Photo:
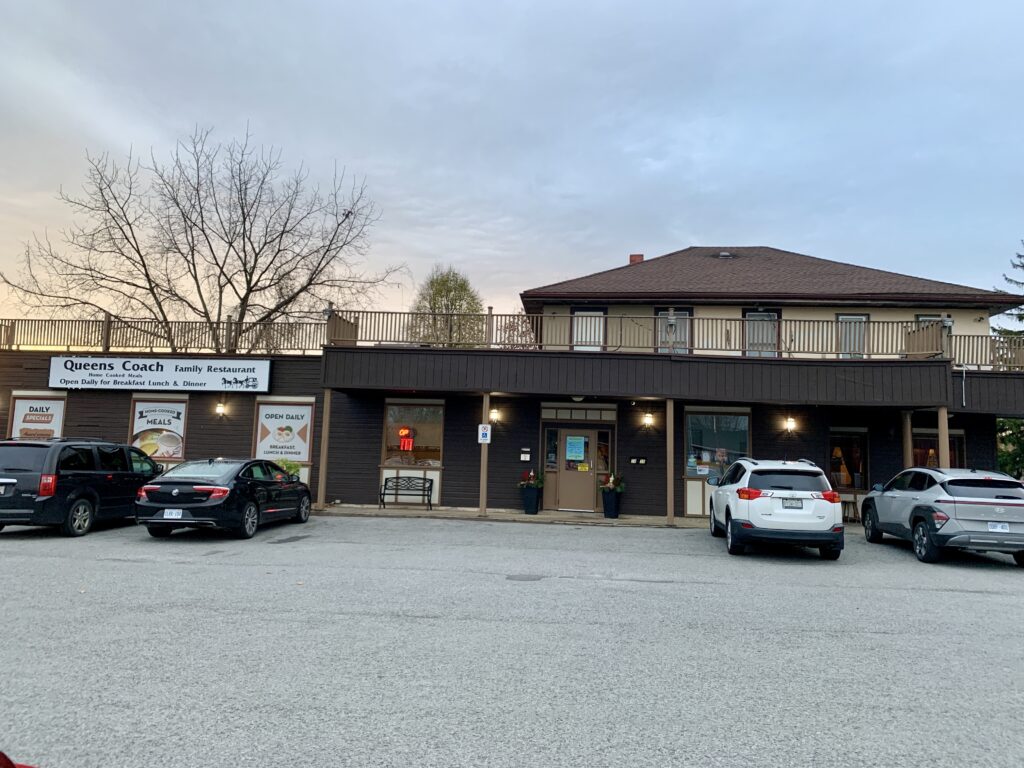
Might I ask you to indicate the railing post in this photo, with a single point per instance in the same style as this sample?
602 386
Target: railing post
105 333
489 333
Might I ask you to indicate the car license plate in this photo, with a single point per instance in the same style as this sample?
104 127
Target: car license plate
999 527
792 504
172 514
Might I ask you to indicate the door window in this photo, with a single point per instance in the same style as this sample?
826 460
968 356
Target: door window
733 475
900 482
577 452
112 458
673 332
275 472
141 463
762 334
588 331
76 459
256 472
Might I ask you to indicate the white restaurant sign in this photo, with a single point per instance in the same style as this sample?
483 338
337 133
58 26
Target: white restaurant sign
283 431
160 373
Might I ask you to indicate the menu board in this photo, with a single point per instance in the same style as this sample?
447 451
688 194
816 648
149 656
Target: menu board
284 431
158 428
39 418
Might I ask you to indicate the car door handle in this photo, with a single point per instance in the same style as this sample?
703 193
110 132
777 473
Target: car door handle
915 498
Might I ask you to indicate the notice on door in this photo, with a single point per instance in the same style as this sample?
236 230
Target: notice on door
575 448
37 418
284 431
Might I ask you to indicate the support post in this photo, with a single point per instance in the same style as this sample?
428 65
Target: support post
908 440
943 436
484 419
325 431
670 461
489 332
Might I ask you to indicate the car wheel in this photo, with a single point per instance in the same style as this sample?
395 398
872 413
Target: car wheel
715 530
870 522
1018 558
79 518
250 521
829 553
159 531
924 547
303 514
731 546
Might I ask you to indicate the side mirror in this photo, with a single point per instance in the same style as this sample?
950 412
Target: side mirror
160 469
877 487
713 481
293 478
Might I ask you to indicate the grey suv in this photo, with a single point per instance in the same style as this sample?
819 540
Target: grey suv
70 482
937 509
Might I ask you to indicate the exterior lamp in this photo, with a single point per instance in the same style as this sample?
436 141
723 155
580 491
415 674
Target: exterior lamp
495 415
790 424
648 420
221 409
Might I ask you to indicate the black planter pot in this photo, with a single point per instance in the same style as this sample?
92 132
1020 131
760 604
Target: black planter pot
611 501
531 500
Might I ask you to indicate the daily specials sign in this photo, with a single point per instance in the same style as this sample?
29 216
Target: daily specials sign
284 431
37 418
163 373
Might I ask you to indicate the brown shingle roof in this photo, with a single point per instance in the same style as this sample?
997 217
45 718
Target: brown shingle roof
764 275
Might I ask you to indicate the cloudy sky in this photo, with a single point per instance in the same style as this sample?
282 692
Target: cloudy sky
528 142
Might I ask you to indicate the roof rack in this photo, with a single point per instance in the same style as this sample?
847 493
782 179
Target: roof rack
807 461
746 458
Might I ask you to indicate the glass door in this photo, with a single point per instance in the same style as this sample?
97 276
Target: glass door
762 334
588 331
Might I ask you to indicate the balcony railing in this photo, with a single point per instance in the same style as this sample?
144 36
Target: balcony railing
593 332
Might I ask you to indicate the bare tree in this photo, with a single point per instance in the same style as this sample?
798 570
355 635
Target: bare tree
219 234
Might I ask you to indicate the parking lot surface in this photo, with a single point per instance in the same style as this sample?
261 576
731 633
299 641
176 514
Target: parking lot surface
381 642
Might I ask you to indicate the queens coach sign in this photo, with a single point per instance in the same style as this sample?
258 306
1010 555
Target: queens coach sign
160 373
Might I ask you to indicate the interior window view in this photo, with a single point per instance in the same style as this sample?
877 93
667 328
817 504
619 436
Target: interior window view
847 460
714 441
413 435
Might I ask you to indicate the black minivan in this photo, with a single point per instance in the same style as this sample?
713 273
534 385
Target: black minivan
69 482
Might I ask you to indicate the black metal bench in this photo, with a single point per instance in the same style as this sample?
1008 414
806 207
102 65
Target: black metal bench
407 486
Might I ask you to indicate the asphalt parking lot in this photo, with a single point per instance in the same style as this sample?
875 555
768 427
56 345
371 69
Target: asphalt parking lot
374 642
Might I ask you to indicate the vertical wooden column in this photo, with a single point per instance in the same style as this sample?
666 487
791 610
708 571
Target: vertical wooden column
670 460
325 431
484 419
943 436
908 440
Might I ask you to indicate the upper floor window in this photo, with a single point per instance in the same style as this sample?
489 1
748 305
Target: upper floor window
761 327
589 328
673 329
853 337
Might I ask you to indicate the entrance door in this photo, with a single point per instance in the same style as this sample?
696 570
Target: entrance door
577 476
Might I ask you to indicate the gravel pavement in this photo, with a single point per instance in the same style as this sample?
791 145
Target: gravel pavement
373 642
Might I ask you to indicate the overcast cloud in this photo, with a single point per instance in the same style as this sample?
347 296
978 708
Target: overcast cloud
528 142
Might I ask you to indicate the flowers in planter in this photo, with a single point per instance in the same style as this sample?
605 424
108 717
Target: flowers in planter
530 479
613 483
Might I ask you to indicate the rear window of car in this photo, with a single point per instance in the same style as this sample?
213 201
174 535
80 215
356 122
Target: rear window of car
203 470
985 489
785 480
22 458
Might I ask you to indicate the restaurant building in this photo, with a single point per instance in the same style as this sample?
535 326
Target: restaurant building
662 371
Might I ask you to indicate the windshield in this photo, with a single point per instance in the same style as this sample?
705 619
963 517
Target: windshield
22 458
985 489
788 481
202 470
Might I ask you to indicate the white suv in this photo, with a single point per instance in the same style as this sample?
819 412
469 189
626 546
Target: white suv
789 502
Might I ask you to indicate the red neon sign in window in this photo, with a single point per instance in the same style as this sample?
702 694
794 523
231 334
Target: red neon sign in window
405 435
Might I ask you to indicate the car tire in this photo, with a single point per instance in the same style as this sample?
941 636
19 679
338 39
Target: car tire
829 553
871 531
159 531
715 530
1018 558
732 547
925 547
79 518
302 515
250 521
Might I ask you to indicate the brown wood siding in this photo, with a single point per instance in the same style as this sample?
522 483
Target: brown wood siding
460 480
106 414
645 483
354 448
519 428
736 380
999 393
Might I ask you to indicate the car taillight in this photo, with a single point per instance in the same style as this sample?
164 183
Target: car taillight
47 485
749 494
940 518
832 496
837 529
141 496
214 491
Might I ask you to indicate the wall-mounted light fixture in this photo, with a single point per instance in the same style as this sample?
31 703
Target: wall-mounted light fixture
221 409
494 415
790 424
648 420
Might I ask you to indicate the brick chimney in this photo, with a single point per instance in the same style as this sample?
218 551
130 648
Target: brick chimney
636 258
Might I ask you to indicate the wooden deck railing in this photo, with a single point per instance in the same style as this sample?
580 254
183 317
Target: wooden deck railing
678 335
